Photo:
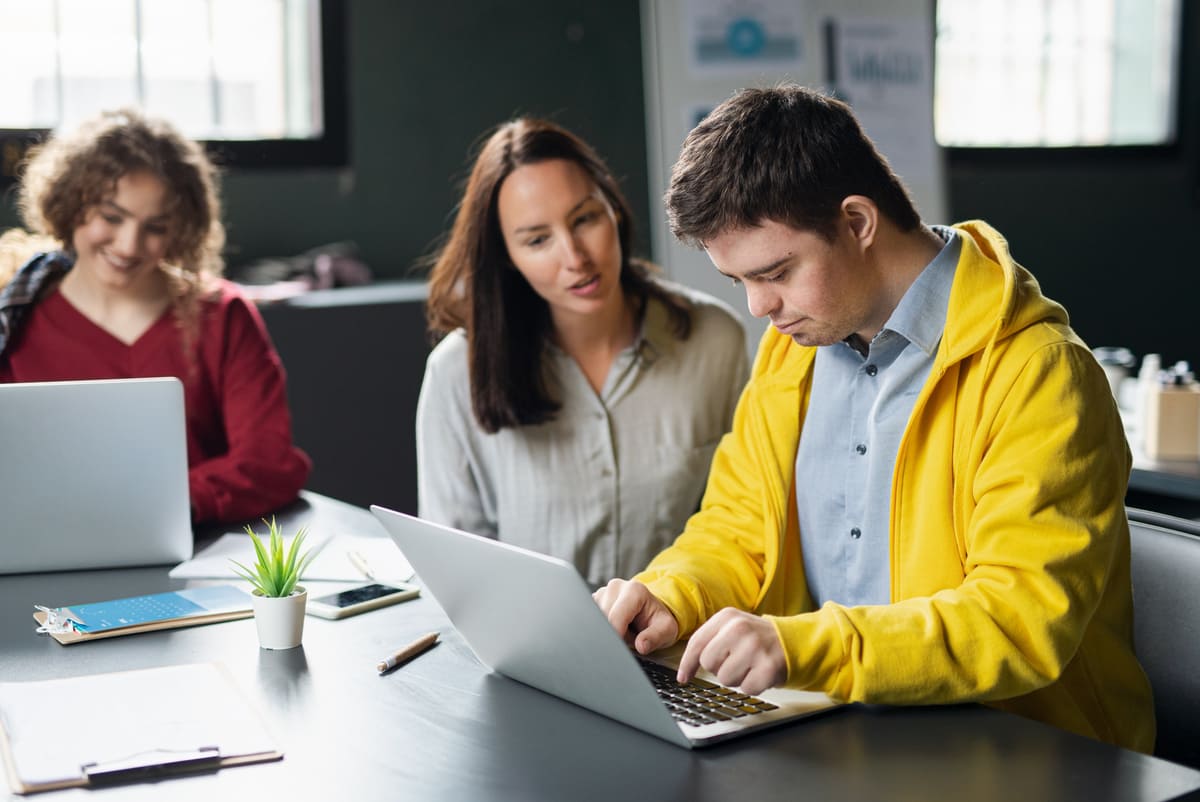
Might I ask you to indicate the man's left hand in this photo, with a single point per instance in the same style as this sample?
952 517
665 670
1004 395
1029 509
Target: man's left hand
740 648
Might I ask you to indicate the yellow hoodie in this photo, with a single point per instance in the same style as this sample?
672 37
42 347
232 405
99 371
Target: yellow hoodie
1009 544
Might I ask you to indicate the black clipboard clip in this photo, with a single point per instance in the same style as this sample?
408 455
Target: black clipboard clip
152 765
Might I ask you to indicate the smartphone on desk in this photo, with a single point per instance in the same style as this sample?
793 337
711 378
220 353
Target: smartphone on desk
360 599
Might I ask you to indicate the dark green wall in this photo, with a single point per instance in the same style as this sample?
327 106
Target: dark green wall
426 80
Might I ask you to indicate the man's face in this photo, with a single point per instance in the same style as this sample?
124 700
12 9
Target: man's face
815 291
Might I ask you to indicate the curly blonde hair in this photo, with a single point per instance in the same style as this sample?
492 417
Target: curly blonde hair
71 173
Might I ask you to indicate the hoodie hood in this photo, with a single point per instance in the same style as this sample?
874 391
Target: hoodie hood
993 296
992 299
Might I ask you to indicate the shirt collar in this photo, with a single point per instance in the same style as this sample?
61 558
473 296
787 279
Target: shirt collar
920 317
654 337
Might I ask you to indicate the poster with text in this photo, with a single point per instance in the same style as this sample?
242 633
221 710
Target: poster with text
884 69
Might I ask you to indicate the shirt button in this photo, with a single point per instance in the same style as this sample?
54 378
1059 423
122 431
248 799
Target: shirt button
856 533
872 370
861 448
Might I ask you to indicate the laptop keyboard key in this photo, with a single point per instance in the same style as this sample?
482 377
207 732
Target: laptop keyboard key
701 702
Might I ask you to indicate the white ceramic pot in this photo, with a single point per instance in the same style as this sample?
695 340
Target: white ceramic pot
280 620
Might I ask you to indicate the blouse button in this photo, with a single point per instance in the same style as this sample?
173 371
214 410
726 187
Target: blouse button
856 533
872 370
861 448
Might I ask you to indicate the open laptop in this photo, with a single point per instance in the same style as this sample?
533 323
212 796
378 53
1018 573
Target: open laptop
532 618
93 474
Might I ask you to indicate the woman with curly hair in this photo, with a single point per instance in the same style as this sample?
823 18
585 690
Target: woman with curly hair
119 276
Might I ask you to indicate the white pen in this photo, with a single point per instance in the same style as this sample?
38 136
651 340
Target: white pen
411 650
360 562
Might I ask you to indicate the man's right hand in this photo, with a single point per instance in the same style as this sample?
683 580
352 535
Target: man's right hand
637 615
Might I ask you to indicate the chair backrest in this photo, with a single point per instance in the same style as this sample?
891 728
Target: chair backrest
1166 608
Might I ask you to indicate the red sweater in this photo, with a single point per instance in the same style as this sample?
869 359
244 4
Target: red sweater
241 461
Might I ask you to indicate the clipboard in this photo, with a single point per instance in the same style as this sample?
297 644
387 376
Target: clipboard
169 610
146 724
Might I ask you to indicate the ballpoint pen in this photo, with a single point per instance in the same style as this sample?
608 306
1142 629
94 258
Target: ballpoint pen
411 650
360 562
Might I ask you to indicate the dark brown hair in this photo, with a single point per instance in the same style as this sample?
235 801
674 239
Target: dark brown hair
71 173
473 284
787 154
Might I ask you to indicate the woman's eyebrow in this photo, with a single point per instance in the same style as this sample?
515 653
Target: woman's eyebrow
127 213
537 226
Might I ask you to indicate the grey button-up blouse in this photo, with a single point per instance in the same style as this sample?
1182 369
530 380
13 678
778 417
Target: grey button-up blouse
612 478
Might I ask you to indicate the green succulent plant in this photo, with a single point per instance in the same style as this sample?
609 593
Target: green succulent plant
275 572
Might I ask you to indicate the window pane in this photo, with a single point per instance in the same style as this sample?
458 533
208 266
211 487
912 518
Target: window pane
1055 72
97 55
175 62
27 60
305 101
218 69
267 63
248 60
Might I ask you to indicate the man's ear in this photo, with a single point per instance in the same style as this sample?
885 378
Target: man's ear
862 217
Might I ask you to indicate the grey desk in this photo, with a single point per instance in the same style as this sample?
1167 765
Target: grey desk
443 728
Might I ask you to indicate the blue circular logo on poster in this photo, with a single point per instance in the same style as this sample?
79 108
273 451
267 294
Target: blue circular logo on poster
745 37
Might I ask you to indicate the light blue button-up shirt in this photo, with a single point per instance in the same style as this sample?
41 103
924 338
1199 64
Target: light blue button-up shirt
857 413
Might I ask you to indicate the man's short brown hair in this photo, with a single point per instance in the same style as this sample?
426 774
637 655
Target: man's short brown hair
787 154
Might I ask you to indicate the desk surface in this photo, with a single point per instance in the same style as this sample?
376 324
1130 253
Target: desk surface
443 727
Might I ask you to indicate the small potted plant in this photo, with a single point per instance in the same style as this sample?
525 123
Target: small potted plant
277 600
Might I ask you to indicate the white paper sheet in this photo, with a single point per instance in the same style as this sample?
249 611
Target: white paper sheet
55 726
332 562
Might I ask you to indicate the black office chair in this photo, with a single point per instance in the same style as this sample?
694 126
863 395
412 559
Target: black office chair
1166 608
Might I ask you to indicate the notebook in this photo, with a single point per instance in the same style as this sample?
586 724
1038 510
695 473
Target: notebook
79 623
93 474
532 618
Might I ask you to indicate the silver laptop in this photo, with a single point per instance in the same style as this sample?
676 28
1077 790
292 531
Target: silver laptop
532 618
93 474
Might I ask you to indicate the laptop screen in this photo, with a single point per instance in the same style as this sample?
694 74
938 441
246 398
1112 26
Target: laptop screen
93 474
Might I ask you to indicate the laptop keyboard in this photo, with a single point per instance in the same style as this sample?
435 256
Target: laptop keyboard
700 702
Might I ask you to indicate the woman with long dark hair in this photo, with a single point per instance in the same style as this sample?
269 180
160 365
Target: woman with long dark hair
575 400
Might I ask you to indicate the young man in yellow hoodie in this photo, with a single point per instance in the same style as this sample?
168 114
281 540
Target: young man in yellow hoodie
922 497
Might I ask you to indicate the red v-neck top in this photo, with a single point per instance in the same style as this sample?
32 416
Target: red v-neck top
241 460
